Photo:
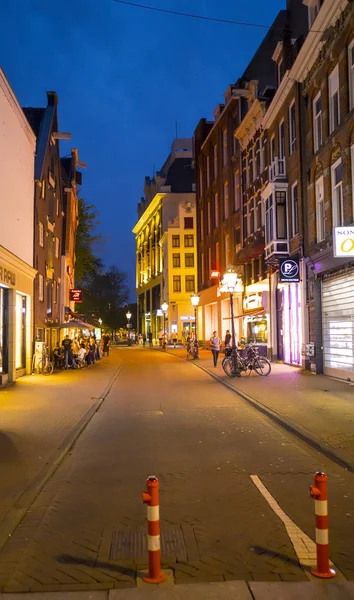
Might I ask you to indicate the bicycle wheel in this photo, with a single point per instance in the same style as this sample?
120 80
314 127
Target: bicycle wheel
262 366
228 366
46 367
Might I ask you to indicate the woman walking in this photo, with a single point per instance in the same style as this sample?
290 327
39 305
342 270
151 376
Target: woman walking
215 347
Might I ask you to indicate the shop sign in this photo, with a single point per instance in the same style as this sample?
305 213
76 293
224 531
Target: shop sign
289 270
187 318
343 241
252 302
214 275
7 276
75 296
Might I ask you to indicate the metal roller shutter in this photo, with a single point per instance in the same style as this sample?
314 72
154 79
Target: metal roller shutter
338 325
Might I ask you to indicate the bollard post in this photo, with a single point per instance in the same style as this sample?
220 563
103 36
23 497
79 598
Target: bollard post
319 493
151 499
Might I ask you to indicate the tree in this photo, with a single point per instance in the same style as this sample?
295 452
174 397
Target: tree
87 264
105 295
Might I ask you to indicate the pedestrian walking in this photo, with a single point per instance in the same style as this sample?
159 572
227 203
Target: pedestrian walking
150 338
144 339
215 347
174 339
160 336
106 344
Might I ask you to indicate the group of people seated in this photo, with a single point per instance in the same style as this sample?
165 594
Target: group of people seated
77 353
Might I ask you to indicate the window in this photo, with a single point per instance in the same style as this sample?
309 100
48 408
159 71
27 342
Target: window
175 241
269 229
272 148
247 163
189 241
224 143
227 251
351 73
188 222
217 256
254 165
226 200
41 234
209 218
176 260
262 155
209 262
200 181
281 140
237 191
292 128
203 267
337 194
216 210
55 292
208 171
189 260
176 283
40 288
258 157
295 209
280 199
317 122
333 91
202 224
190 286
56 247
320 214
215 161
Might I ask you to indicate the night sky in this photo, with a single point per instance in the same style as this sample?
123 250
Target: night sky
124 76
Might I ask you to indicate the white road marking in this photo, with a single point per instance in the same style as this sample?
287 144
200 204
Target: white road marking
304 547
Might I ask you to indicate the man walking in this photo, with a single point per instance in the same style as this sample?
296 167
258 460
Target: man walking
106 343
215 347
68 354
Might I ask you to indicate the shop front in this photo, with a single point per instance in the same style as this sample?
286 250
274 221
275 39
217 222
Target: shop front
255 327
16 324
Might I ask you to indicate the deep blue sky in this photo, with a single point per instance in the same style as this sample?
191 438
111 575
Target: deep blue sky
124 76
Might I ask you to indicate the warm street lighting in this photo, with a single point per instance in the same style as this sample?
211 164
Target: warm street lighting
231 281
129 316
164 307
100 321
195 301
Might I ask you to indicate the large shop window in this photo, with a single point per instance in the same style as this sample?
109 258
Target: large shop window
20 331
3 330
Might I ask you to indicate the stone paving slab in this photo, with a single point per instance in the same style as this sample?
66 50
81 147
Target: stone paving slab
309 591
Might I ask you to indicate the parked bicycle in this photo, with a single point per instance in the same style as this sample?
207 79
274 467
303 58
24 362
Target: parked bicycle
192 350
233 365
42 365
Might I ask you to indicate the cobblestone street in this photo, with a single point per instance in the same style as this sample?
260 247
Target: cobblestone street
164 416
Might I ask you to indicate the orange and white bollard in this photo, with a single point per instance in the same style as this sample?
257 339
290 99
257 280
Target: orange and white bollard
151 499
319 493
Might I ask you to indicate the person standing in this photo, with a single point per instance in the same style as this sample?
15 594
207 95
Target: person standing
174 339
106 343
68 354
227 338
150 338
215 347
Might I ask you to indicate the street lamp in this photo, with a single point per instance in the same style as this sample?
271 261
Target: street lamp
164 307
232 283
129 316
195 301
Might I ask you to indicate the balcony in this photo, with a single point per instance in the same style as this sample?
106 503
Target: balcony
277 169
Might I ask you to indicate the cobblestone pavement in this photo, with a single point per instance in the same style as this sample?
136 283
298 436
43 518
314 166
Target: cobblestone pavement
166 417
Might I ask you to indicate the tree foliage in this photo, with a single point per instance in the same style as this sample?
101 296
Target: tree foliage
87 264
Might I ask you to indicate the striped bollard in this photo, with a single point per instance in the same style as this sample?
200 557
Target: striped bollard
319 493
151 499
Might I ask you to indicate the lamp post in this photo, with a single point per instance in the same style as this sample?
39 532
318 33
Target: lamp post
231 282
195 301
129 316
164 307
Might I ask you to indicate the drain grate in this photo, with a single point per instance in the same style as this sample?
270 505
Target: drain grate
132 544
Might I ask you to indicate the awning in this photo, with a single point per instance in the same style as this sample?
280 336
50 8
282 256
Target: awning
76 324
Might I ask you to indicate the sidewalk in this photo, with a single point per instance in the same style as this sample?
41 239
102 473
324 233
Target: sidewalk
39 417
315 407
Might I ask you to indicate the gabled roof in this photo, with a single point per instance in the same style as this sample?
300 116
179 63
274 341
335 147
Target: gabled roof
42 120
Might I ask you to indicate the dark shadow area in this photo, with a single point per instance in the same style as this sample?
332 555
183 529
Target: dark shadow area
8 450
67 559
260 550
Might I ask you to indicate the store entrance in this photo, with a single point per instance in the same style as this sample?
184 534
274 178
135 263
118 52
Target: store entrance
4 319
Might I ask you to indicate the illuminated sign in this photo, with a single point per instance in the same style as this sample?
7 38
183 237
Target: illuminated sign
214 275
159 312
7 276
343 241
187 318
289 270
252 301
75 295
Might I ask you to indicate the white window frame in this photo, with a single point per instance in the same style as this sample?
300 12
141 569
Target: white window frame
333 89
317 118
351 73
320 212
337 210
292 134
226 201
215 161
216 199
41 234
40 288
208 171
293 212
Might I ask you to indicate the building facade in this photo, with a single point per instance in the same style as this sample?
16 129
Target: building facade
17 149
166 264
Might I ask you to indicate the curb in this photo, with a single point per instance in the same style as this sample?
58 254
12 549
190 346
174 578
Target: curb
29 495
297 430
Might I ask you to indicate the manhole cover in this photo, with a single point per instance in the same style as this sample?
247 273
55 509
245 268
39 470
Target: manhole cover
132 544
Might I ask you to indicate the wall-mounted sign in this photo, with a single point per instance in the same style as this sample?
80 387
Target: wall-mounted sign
289 270
187 318
75 296
252 302
343 241
308 349
7 276
214 275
